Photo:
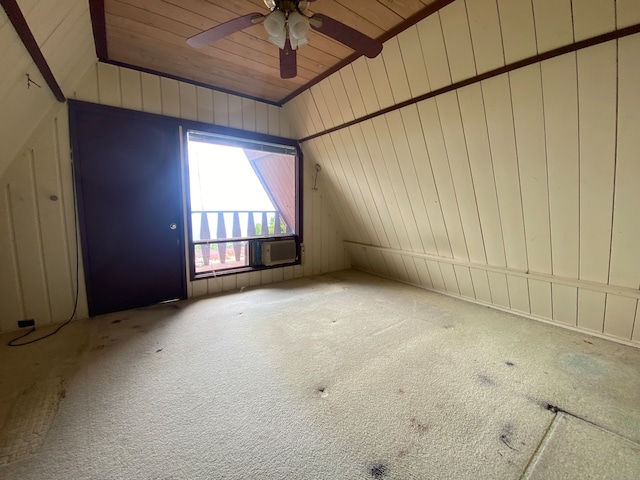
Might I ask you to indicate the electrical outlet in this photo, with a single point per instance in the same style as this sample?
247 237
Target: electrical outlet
26 323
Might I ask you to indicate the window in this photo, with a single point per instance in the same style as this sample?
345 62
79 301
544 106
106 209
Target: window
243 204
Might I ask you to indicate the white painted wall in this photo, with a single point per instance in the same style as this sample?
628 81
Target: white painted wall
520 191
37 246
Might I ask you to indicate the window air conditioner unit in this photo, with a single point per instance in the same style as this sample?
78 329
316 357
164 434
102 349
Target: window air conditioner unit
278 252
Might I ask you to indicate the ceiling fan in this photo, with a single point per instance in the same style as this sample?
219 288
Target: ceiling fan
287 26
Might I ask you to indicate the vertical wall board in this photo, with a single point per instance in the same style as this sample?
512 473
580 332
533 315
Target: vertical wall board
518 293
560 90
426 182
410 266
453 134
356 103
28 239
540 299
170 92
390 264
627 13
287 274
597 120
477 139
464 281
380 78
378 262
255 278
229 283
293 113
262 118
526 91
565 303
430 121
411 192
325 248
388 232
401 267
331 103
499 289
457 39
304 122
436 275
380 166
355 172
51 223
335 147
449 277
591 309
273 119
625 260
267 275
109 85
188 101
518 31
278 276
131 86
220 108
200 288
317 93
10 288
365 85
434 51
505 167
484 24
204 103
333 171
235 111
285 124
481 284
636 325
396 71
313 108
87 89
242 279
593 17
215 285
423 272
554 24
151 93
248 115
413 60
619 316
342 99
389 144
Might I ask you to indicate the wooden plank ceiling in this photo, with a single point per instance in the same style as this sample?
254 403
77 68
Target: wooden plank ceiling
151 35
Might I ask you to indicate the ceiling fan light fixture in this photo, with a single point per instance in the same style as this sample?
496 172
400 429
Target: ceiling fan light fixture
274 23
298 26
279 40
271 4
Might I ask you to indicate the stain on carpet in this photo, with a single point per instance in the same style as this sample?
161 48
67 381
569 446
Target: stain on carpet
378 470
29 420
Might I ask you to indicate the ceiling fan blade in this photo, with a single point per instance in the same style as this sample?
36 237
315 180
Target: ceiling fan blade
345 34
288 61
203 39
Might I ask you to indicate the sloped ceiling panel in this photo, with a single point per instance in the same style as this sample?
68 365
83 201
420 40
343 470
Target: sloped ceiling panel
517 191
62 30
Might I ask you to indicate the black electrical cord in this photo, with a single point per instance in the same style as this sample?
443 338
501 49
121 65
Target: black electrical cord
75 302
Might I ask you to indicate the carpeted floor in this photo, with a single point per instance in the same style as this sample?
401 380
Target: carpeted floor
343 376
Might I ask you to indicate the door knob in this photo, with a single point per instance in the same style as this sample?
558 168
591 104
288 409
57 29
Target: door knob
173 226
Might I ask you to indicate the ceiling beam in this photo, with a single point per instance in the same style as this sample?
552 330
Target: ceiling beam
24 32
99 26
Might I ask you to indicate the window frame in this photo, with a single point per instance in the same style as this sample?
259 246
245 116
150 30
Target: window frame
244 137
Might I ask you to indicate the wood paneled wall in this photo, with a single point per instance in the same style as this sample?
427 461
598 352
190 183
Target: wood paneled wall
519 191
62 30
37 246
